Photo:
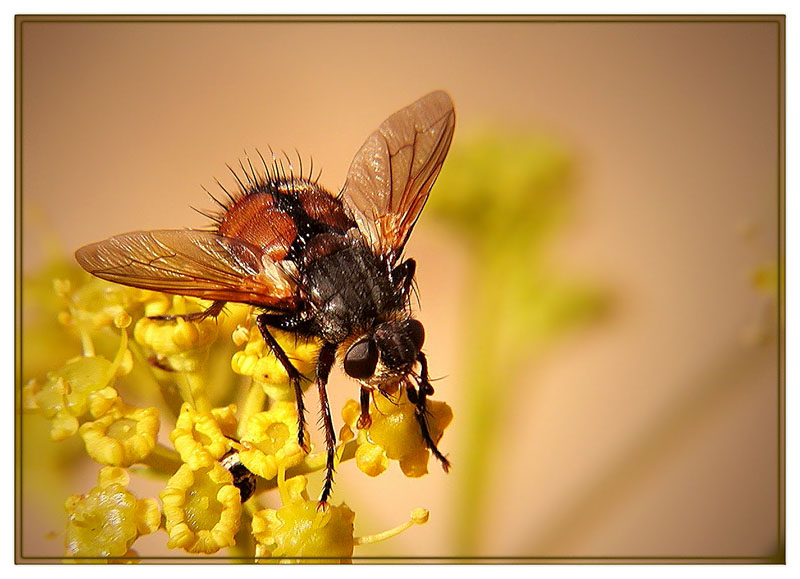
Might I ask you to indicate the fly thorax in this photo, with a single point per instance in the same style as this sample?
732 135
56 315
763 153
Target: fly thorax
347 289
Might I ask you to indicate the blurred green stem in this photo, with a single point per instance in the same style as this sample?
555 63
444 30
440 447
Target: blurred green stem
489 370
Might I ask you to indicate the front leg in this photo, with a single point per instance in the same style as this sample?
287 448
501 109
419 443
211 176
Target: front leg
213 311
403 275
263 321
364 420
421 412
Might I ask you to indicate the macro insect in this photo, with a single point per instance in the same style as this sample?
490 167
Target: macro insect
321 265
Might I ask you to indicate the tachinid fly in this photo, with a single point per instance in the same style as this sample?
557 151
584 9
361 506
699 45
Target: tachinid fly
314 263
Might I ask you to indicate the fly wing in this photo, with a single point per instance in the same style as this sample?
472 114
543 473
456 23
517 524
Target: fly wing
392 174
194 263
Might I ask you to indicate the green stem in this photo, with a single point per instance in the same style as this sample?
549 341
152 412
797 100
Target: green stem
163 460
193 390
314 463
87 347
253 404
245 542
158 388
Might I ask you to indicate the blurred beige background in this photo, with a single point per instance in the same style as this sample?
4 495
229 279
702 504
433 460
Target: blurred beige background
653 433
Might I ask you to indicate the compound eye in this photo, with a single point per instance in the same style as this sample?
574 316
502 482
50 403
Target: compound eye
361 359
417 333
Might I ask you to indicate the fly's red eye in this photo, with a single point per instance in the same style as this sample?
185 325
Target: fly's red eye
361 359
417 333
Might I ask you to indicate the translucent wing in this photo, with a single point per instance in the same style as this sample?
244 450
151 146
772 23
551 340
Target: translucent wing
392 174
194 263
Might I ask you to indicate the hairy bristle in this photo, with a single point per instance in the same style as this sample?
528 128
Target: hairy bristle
266 168
246 174
278 176
242 188
215 200
299 160
231 197
213 217
252 170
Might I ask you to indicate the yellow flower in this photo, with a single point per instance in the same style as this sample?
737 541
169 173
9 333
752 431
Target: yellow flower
178 345
101 401
299 532
202 509
233 316
395 434
122 436
199 436
256 360
86 377
81 386
106 522
270 440
97 304
50 400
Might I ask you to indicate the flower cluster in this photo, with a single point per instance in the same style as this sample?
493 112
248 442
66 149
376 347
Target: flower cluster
231 418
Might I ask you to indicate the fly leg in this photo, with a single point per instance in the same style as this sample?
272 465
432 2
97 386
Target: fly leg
365 420
327 355
263 321
211 311
418 398
403 275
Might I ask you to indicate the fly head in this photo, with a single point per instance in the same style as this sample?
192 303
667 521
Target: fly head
385 355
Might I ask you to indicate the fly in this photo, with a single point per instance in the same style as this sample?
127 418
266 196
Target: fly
321 265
